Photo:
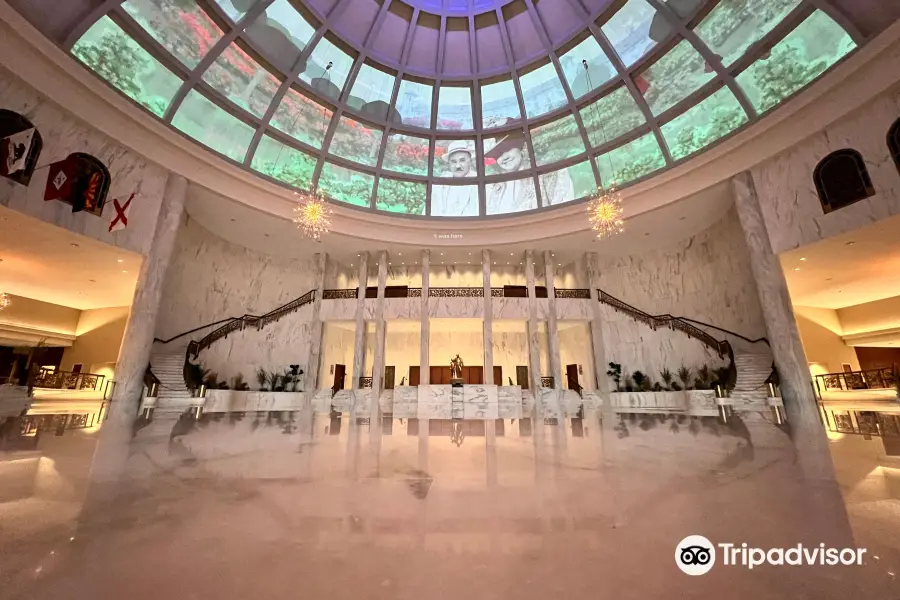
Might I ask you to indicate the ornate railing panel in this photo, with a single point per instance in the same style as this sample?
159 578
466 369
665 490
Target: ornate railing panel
340 294
496 292
871 379
573 294
547 382
365 382
862 422
456 292
414 293
67 380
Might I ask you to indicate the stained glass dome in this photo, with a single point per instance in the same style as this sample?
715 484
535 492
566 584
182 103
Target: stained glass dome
461 108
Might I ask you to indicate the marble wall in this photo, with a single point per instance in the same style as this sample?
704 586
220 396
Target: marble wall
706 277
63 135
211 279
790 204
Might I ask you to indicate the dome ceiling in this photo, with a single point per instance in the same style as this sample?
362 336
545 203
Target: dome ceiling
460 108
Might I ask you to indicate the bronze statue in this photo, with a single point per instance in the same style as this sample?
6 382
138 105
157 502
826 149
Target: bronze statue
456 366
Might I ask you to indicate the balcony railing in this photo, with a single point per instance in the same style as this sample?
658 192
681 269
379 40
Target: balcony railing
861 422
508 291
871 379
67 380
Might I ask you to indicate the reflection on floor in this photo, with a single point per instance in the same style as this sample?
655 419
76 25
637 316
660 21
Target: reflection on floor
307 505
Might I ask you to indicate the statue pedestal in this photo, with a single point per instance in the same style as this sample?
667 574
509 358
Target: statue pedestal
457 382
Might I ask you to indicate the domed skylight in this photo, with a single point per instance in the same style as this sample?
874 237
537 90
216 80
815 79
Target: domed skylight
460 108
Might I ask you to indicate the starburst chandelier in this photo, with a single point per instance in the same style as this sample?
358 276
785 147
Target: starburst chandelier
4 300
312 214
605 212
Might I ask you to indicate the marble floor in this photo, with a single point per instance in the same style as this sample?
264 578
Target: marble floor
309 505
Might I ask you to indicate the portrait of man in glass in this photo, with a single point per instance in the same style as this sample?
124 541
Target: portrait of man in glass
456 200
509 154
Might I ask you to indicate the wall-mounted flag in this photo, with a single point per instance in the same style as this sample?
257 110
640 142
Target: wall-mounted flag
20 146
80 180
120 220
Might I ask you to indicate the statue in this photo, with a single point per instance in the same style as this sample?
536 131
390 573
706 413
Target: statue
456 366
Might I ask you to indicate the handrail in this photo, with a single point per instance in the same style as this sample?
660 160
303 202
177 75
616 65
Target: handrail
879 378
654 321
728 331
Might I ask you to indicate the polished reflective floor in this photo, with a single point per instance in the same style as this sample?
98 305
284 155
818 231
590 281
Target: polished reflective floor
276 505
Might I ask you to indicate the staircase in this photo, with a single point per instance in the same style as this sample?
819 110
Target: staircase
753 369
168 366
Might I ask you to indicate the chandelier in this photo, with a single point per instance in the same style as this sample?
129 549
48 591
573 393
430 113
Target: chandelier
605 212
312 214
4 300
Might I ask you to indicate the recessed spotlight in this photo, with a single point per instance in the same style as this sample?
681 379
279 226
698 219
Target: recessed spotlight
74 245
120 260
796 268
402 263
507 262
802 258
124 271
399 254
558 264
850 243
470 254
512 254
442 253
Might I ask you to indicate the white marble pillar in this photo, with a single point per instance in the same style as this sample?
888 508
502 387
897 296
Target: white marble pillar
600 364
359 339
380 336
315 351
552 326
137 341
784 337
488 321
425 320
534 344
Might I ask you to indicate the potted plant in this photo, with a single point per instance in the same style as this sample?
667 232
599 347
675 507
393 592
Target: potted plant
262 378
684 374
639 379
615 372
238 383
667 378
275 382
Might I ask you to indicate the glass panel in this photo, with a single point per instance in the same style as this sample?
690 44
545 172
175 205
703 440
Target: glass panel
242 80
715 117
599 71
673 77
635 29
506 153
406 154
734 25
556 141
234 12
180 26
283 163
330 83
567 184
414 103
611 116
455 158
804 54
301 118
356 141
407 197
454 200
542 91
371 85
499 103
346 185
114 56
454 108
210 125
631 161
510 196
281 33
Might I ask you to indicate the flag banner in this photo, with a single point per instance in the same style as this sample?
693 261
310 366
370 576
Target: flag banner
120 219
80 180
14 151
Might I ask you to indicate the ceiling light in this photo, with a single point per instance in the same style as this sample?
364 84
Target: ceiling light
802 258
796 268
120 260
442 253
511 254
74 245
605 212
124 271
312 215
399 254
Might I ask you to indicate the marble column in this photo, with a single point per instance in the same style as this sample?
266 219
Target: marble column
600 365
784 337
315 351
552 326
359 340
425 320
488 321
137 340
380 335
534 346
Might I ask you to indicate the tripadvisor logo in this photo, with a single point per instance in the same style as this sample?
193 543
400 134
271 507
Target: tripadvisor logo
696 555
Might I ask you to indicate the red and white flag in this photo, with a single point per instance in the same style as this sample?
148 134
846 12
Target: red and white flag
120 220
14 151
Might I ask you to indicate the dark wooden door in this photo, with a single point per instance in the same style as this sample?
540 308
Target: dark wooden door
498 376
340 372
415 375
473 375
389 375
439 375
572 377
522 377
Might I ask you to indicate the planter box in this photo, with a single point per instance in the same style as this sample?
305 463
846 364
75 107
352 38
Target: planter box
691 402
237 401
